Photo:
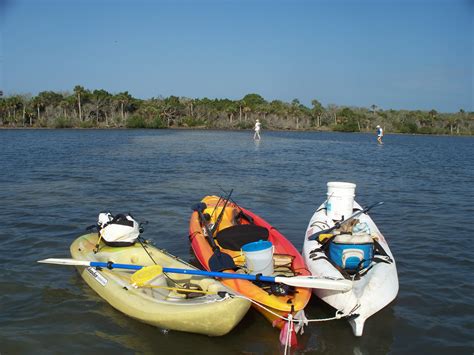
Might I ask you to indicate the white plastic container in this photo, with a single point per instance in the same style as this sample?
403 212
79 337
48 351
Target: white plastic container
340 200
259 257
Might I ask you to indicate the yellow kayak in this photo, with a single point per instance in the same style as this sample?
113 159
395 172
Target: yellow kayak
188 303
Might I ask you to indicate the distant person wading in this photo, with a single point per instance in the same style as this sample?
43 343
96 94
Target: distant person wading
257 130
379 134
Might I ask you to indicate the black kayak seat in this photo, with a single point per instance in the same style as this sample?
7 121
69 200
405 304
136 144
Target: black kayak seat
235 237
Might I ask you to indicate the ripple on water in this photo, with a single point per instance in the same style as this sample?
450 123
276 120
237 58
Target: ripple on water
64 178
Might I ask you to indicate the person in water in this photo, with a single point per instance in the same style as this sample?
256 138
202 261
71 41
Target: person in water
257 130
379 134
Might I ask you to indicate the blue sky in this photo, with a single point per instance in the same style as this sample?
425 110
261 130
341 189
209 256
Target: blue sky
398 54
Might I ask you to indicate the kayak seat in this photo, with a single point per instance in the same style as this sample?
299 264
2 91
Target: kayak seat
235 237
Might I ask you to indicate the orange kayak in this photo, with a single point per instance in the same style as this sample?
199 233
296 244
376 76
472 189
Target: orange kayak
238 227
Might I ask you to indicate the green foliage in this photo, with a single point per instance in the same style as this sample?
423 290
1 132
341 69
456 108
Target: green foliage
348 121
156 123
136 122
253 100
98 108
407 127
86 124
245 125
350 126
63 122
430 130
192 122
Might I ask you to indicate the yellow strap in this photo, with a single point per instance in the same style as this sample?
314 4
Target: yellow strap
98 242
177 289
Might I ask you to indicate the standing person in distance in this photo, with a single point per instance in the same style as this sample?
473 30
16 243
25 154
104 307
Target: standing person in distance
257 130
379 134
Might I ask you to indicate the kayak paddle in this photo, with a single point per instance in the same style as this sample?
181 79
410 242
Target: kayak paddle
219 261
344 221
297 281
219 218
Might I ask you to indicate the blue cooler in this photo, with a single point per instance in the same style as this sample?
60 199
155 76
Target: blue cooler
348 251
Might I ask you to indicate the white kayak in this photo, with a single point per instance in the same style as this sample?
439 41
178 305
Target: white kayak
341 254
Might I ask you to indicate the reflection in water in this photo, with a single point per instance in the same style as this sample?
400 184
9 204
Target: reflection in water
337 336
257 143
124 341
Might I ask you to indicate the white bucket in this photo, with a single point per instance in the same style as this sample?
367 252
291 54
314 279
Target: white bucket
340 200
259 257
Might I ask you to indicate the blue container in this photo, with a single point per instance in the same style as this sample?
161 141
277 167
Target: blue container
257 246
351 256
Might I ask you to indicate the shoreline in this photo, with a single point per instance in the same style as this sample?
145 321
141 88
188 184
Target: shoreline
226 129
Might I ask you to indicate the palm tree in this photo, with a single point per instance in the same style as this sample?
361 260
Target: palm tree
318 110
231 109
123 98
246 110
100 97
79 91
38 102
295 112
25 99
374 109
241 104
333 112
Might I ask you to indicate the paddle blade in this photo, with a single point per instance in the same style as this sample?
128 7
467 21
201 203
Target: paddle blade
70 262
315 282
145 275
220 261
199 207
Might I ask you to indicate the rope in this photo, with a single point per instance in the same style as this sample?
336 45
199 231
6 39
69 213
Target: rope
144 248
288 333
300 322
339 314
96 249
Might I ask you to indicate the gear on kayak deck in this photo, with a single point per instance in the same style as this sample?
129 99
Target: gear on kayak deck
276 289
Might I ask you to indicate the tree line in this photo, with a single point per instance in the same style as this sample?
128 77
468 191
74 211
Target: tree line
83 108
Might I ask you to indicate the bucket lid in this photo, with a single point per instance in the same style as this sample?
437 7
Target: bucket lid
342 185
257 246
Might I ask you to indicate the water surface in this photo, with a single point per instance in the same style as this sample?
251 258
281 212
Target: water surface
53 184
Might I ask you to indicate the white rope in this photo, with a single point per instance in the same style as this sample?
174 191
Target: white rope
300 322
339 314
288 333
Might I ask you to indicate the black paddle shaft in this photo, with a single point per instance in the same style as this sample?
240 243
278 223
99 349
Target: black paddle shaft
219 261
219 218
209 237
344 221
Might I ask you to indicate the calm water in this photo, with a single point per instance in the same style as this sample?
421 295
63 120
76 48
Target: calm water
54 183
